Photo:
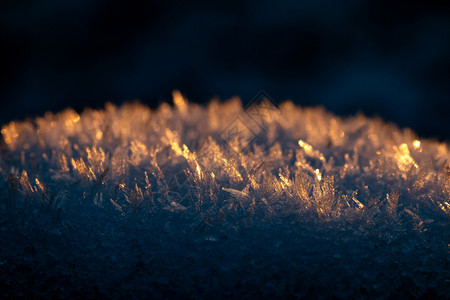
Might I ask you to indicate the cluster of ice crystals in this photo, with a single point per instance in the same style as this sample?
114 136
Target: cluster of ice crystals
305 165
315 163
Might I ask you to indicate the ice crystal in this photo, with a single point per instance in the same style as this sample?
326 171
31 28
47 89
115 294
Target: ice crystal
299 169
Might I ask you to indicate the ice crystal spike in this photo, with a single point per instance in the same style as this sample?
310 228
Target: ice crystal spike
403 157
179 101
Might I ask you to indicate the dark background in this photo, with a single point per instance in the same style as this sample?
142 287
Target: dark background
382 57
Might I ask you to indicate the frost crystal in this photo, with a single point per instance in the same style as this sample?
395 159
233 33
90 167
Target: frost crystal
307 189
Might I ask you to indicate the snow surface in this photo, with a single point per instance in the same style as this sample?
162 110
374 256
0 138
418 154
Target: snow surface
221 201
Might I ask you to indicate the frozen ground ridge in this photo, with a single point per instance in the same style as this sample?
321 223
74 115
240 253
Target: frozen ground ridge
295 166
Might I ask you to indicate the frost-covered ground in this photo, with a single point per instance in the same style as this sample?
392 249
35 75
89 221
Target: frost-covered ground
221 201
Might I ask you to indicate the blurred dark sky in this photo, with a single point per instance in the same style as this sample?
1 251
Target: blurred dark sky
386 58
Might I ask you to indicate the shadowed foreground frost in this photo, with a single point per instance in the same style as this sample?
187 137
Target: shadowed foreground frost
212 202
